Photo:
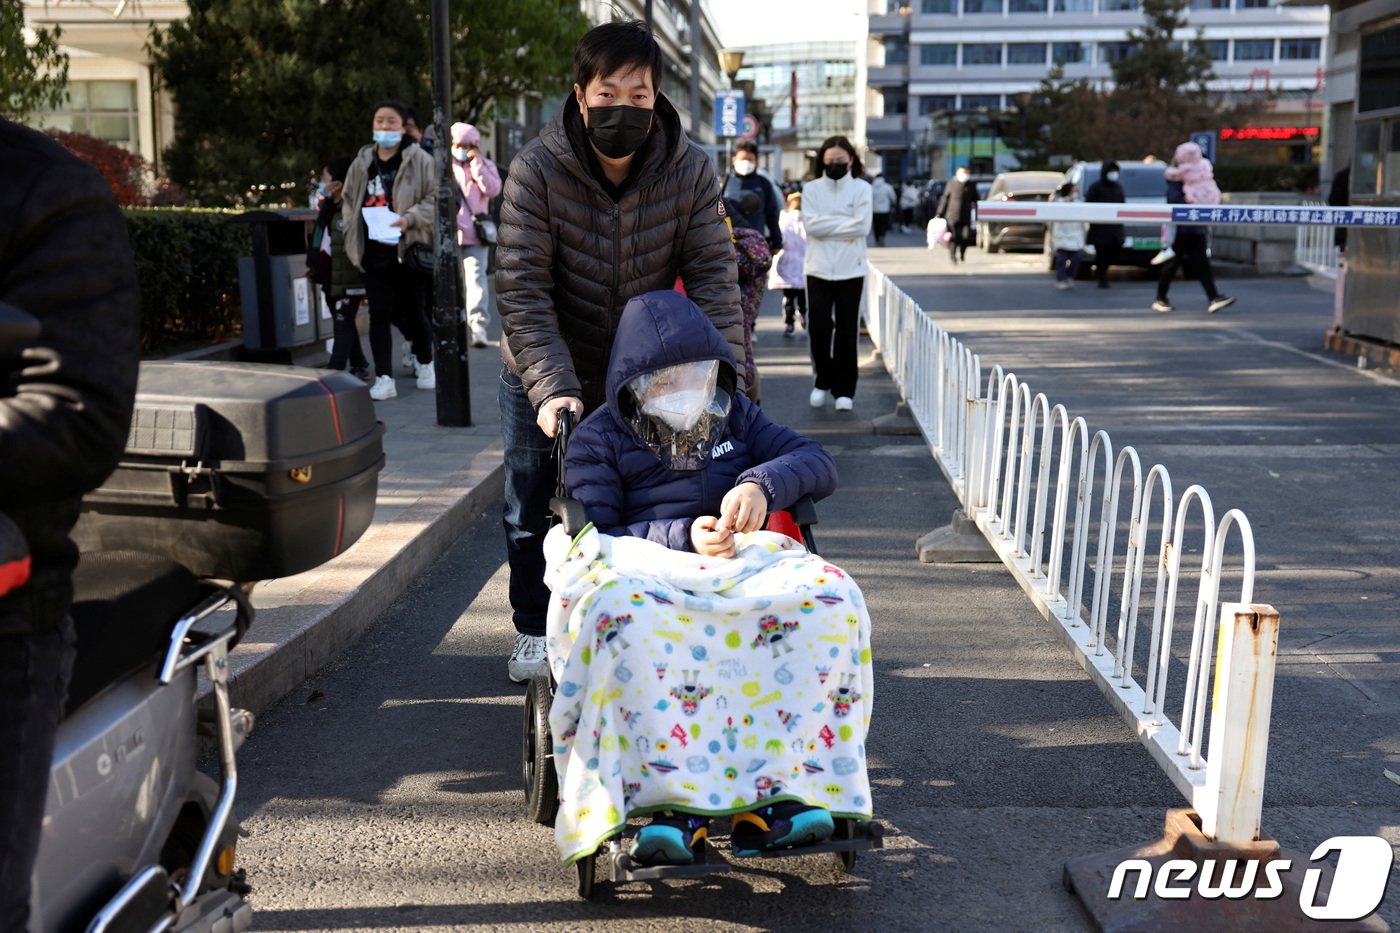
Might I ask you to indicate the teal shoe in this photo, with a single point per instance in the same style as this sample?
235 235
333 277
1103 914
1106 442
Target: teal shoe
670 839
782 825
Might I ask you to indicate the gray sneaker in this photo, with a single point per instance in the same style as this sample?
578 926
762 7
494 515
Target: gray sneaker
527 658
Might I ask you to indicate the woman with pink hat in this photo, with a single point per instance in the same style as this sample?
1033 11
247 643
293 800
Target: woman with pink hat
479 182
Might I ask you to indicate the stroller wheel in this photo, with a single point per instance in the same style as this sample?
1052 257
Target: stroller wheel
845 829
587 869
537 754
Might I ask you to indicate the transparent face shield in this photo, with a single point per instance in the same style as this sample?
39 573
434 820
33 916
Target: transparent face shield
680 412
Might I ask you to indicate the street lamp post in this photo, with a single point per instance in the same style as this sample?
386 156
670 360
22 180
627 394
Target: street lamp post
730 60
449 362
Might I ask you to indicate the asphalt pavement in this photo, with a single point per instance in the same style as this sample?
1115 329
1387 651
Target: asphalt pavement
385 793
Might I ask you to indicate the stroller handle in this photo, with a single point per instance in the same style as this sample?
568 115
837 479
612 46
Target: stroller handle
561 447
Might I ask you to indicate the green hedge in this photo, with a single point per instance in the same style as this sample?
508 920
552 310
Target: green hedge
187 264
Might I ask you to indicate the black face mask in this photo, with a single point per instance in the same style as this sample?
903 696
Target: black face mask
835 170
618 131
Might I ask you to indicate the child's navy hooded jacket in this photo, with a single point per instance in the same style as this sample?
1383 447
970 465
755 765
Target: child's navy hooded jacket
623 485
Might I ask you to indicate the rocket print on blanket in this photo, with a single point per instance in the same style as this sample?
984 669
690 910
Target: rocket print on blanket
709 686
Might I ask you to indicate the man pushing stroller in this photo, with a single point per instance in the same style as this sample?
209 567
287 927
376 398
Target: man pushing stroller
704 668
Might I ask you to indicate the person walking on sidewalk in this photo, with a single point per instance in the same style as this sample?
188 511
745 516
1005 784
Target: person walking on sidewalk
883 201
786 274
64 414
836 213
333 271
908 201
750 198
394 178
478 181
959 198
1189 250
610 201
1107 239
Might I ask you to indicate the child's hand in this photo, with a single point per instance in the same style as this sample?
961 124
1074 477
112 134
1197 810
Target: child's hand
744 508
711 540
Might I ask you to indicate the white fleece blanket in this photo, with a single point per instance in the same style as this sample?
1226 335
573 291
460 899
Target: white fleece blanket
700 684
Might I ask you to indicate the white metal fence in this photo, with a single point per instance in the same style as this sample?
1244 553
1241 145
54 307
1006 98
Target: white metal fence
1049 496
1316 248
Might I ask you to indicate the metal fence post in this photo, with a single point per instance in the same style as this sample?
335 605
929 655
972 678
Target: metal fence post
1233 797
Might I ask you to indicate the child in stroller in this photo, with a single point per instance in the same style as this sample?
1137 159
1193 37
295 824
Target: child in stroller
726 672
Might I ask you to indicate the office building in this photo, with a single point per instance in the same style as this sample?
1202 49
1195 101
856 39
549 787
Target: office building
939 69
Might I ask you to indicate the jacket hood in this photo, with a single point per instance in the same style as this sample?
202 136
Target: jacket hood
464 134
566 138
657 329
1187 153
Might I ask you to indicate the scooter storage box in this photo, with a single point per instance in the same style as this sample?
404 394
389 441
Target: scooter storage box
241 471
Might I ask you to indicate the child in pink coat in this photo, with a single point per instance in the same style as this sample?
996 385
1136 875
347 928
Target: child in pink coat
1196 175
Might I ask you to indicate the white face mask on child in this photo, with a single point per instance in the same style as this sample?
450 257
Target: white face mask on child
679 410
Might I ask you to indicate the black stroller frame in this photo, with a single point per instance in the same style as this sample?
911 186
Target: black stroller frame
542 781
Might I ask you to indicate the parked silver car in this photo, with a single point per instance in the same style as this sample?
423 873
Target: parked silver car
1017 186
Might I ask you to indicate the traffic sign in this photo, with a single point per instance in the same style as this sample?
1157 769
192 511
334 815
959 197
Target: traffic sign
1206 140
750 127
729 112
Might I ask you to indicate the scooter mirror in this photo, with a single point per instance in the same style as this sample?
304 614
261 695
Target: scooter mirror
17 328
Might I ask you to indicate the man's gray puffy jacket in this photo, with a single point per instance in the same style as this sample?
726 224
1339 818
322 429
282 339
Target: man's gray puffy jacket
569 258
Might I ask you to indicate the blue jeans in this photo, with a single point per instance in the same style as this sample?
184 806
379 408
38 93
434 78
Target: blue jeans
34 671
530 481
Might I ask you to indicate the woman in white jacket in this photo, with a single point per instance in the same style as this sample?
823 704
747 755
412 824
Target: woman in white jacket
836 213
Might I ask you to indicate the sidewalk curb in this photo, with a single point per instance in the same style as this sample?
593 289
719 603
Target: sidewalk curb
331 613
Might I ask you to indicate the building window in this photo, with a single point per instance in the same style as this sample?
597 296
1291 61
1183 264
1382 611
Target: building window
942 54
896 101
1252 4
937 103
1254 50
982 6
1025 53
1118 6
1027 6
1210 4
1217 50
1300 49
1074 6
981 102
1070 53
939 6
1110 52
104 109
981 53
896 50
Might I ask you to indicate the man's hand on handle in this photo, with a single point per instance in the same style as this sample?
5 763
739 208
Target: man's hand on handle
548 417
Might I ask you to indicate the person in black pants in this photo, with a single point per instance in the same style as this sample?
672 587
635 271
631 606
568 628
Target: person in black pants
1107 239
1189 250
64 414
837 214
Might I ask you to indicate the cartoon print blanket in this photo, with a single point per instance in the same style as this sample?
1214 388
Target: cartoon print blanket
701 684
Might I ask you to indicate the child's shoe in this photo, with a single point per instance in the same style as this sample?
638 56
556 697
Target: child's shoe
670 839
778 826
1163 256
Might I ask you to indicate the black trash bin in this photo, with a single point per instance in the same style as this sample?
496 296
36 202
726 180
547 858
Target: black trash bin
281 306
